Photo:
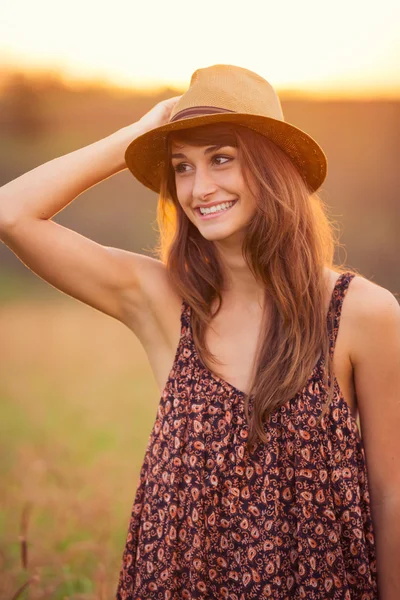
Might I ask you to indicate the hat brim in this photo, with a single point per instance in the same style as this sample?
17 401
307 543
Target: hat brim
145 155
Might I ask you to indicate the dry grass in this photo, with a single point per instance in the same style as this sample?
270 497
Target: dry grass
78 400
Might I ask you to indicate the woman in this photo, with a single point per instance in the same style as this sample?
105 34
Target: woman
256 482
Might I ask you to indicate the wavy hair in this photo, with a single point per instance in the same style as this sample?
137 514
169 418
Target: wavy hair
288 243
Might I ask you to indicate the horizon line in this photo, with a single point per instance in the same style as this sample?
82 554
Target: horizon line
74 81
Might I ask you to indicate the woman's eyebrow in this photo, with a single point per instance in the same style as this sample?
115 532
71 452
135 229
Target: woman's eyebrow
206 151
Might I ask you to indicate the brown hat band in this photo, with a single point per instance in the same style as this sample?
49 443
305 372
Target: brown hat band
195 111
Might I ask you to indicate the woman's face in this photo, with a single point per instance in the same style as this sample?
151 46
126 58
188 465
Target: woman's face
212 175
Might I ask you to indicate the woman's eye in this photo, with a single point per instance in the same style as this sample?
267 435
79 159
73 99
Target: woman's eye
180 168
223 157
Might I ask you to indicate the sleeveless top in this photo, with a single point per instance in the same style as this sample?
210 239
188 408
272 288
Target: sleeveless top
290 520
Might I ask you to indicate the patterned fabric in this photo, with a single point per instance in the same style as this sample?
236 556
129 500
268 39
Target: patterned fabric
210 521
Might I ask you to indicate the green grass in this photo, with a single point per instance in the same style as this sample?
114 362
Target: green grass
78 401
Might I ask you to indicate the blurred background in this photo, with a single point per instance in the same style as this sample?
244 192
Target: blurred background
78 399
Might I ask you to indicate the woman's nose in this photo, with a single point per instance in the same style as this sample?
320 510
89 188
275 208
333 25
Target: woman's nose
203 185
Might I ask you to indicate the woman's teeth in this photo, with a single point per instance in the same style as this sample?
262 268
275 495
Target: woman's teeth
216 208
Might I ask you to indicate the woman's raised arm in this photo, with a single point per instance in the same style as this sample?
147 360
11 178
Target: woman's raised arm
105 278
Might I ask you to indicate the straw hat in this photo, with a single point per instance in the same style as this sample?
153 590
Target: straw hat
227 94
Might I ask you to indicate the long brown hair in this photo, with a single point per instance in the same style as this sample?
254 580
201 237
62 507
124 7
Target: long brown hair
288 243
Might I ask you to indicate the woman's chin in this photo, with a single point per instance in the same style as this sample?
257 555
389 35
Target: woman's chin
220 234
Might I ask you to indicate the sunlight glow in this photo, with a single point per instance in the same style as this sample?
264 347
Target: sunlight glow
338 48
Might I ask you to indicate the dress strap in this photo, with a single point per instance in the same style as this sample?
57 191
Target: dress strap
335 307
333 316
185 319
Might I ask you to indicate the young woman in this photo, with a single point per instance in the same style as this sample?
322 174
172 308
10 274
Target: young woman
256 482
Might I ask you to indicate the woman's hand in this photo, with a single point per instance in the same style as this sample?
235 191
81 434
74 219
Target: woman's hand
158 115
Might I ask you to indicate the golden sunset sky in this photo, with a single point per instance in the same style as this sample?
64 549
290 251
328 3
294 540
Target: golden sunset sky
334 48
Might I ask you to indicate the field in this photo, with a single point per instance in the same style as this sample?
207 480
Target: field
78 401
77 397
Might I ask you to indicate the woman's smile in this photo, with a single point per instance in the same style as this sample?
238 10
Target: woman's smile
215 211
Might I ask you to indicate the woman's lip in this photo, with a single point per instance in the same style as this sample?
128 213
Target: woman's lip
216 214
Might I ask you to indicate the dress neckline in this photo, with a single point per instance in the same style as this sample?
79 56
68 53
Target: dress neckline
232 388
229 386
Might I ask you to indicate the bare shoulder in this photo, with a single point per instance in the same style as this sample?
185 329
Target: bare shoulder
157 305
370 310
366 299
157 287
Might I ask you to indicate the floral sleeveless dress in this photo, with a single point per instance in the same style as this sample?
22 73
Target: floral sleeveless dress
209 521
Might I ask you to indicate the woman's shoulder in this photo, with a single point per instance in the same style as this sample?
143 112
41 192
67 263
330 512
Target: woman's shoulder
366 299
370 315
366 308
364 296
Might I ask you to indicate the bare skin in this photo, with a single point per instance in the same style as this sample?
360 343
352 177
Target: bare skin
135 290
234 328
